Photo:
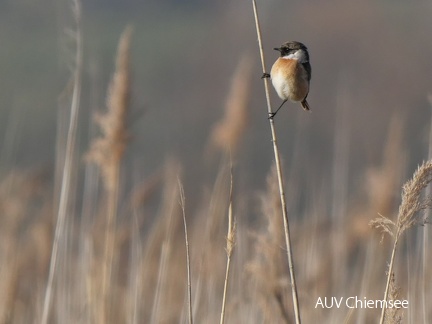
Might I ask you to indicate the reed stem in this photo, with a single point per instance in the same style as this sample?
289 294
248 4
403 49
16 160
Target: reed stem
279 175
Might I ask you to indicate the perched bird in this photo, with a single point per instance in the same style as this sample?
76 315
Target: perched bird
291 74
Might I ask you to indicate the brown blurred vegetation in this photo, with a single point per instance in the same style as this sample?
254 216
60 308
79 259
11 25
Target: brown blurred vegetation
343 164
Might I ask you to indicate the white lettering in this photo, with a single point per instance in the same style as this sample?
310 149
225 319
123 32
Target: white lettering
347 302
356 302
319 302
338 303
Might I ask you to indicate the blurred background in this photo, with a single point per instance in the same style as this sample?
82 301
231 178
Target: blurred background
371 78
370 62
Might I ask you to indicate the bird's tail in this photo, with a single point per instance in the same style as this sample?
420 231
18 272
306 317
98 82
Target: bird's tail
305 105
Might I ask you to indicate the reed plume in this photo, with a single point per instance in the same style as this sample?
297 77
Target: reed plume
412 203
393 315
107 152
226 134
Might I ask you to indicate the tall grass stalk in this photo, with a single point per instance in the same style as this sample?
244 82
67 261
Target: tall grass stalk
183 207
161 286
68 161
279 174
230 246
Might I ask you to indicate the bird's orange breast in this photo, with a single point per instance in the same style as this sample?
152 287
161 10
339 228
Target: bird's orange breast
290 79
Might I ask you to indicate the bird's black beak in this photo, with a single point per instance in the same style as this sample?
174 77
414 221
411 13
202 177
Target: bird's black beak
277 49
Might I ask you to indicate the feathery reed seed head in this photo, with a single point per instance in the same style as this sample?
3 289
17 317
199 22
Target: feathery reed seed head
107 151
393 315
412 201
226 134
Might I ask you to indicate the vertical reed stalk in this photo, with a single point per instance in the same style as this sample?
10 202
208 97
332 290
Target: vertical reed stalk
229 248
109 245
183 206
389 274
68 161
279 174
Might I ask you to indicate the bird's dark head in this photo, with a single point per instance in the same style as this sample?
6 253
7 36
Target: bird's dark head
293 48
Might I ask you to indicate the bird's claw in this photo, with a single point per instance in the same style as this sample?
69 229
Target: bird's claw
265 76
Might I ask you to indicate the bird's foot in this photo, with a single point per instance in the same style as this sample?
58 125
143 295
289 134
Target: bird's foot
265 76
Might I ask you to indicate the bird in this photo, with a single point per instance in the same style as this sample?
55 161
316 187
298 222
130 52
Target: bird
291 74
